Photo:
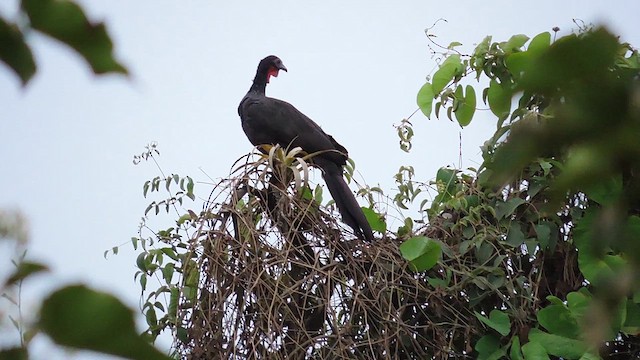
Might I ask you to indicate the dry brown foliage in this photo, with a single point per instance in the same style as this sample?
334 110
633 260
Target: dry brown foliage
280 278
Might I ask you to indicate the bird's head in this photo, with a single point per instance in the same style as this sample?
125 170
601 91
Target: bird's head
270 66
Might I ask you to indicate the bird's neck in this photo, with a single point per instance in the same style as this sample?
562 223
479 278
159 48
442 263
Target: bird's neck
259 84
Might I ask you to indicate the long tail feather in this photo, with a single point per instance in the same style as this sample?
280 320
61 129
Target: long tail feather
349 208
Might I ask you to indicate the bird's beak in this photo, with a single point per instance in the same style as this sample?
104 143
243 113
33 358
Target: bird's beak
282 67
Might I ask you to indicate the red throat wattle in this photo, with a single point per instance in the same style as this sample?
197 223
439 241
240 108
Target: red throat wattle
273 71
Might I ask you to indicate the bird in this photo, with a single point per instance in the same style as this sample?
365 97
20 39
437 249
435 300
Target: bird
270 121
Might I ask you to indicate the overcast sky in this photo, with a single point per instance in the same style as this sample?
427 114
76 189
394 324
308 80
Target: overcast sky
355 67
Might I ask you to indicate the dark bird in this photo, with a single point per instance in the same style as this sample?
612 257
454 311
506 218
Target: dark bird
271 121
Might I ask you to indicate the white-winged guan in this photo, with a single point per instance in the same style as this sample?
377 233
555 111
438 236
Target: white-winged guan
271 121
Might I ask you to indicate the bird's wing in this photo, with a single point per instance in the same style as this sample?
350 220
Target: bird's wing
267 121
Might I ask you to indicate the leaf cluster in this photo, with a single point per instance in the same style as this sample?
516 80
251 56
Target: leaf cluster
548 226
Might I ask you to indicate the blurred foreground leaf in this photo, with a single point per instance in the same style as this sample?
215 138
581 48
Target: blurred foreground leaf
15 52
81 318
65 20
24 270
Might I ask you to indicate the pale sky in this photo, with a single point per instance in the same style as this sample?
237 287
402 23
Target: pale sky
355 67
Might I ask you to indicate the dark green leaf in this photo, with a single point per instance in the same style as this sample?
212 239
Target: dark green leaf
65 20
425 99
141 261
150 316
167 272
24 270
543 233
15 353
507 208
605 192
182 334
515 236
497 320
422 252
632 320
81 318
143 282
15 52
438 283
174 299
488 348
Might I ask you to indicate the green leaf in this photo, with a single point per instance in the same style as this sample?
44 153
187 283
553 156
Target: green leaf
534 351
170 252
64 20
499 99
606 192
81 318
518 63
579 302
515 352
182 335
497 320
150 316
565 61
174 299
507 208
423 253
558 320
451 67
438 283
539 43
514 43
488 348
140 261
453 45
425 99
558 345
24 270
632 321
447 183
543 233
595 269
483 47
167 272
589 356
375 220
15 52
467 105
16 353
